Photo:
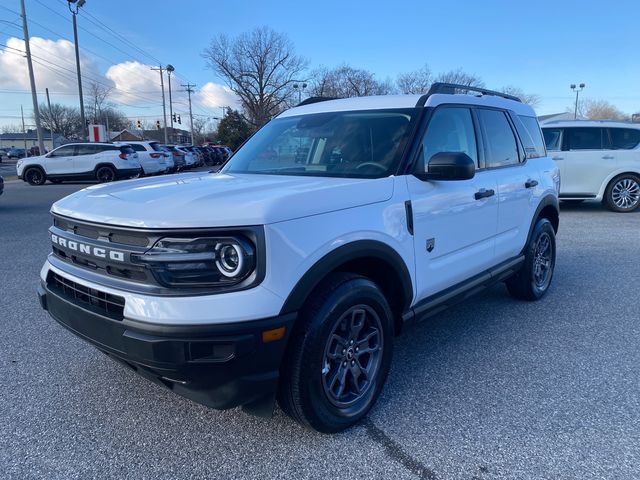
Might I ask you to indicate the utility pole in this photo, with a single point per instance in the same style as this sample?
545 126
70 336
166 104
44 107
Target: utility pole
77 4
190 91
24 134
164 104
50 120
32 80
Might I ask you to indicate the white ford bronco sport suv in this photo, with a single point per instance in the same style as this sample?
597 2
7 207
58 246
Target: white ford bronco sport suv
104 162
287 275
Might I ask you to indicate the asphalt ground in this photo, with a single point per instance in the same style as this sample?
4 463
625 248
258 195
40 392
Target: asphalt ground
492 388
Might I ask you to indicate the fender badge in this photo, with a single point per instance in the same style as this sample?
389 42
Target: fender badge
431 243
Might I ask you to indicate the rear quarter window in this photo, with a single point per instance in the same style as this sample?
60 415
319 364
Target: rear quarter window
624 138
531 136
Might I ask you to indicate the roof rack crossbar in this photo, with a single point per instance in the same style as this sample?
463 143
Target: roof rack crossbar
310 100
450 88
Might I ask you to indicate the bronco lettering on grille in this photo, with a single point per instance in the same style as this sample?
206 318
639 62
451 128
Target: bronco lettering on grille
88 249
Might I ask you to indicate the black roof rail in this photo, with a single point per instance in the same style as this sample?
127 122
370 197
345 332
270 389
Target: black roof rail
450 88
310 100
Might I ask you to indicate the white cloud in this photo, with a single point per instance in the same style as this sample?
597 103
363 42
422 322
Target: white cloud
54 65
213 95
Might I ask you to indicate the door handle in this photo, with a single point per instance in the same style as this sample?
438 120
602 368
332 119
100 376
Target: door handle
530 183
608 157
484 193
557 158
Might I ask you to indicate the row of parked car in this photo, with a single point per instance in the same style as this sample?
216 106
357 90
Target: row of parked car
106 162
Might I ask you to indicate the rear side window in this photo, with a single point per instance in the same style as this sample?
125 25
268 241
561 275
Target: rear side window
552 138
86 149
138 148
530 135
583 138
155 146
450 130
624 138
501 148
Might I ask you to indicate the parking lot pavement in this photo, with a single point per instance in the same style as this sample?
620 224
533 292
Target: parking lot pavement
493 388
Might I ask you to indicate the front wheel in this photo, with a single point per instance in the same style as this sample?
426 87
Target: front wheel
534 278
339 355
623 193
105 174
35 176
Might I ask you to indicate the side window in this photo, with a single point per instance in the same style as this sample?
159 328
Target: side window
450 130
552 138
530 136
624 138
66 151
86 149
501 148
584 138
138 148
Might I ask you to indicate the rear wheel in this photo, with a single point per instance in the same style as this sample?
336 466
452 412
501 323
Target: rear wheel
623 193
339 355
534 278
35 176
105 174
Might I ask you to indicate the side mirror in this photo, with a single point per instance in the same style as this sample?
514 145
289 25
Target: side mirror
449 166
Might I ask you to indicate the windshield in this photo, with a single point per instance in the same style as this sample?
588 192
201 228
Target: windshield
367 144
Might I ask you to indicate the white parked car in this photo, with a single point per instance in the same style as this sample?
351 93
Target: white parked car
288 275
598 160
104 162
151 156
189 157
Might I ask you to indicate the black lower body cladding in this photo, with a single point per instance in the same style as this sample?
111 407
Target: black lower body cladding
219 365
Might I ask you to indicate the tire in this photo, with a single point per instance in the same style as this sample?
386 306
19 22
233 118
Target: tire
623 193
105 174
347 311
534 278
35 176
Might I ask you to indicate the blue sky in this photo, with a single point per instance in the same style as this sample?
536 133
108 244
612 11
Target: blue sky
540 47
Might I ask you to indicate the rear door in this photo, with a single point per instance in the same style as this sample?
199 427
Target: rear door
61 161
585 161
517 179
454 221
87 157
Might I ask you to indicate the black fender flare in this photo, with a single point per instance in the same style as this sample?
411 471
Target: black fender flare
547 201
358 249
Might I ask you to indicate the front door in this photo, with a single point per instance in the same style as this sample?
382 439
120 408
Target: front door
454 221
61 160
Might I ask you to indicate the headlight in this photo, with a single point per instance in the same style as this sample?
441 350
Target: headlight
200 262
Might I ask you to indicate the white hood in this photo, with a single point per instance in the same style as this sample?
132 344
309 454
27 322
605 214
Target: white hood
197 200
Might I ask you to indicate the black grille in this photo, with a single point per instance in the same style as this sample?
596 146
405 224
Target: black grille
103 303
98 232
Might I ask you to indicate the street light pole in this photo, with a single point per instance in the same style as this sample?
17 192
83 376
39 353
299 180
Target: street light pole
573 87
76 6
169 68
34 95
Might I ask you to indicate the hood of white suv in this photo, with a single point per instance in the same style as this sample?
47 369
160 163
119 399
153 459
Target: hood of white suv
198 200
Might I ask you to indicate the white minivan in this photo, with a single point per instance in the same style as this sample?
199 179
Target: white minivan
598 160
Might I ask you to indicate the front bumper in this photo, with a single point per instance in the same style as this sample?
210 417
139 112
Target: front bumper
220 365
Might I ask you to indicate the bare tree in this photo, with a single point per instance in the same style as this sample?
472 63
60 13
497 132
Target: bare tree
346 81
202 126
529 98
61 119
599 110
12 128
260 67
460 77
417 81
97 96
